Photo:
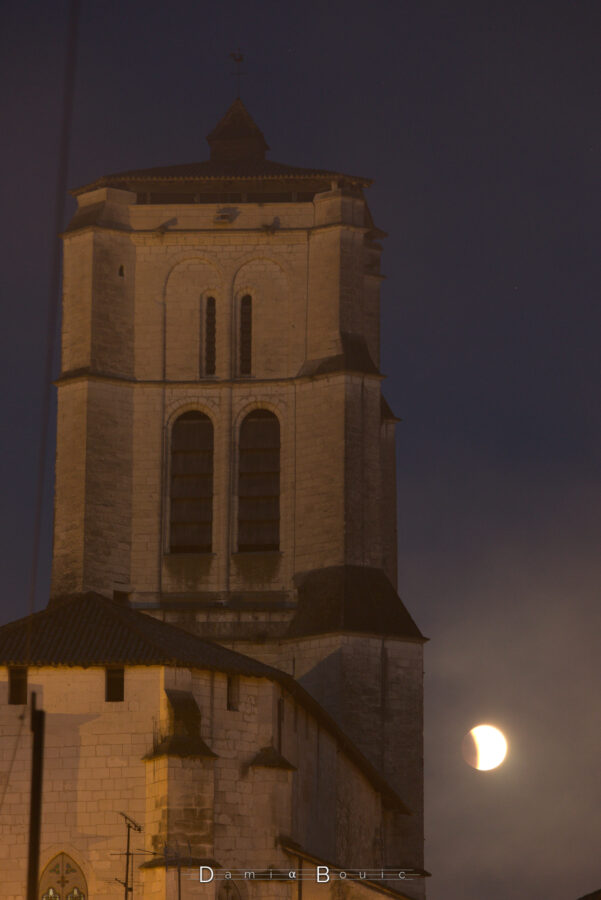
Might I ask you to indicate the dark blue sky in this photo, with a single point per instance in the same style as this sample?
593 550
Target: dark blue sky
479 123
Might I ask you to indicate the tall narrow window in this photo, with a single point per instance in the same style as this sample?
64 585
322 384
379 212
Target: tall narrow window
17 685
114 684
191 484
246 324
233 691
210 335
259 482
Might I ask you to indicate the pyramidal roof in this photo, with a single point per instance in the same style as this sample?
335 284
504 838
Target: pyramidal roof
237 136
237 152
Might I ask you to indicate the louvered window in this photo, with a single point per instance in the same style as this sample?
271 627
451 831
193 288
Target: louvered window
191 484
210 337
259 482
246 317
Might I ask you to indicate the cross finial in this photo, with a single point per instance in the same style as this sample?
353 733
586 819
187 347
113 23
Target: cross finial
238 58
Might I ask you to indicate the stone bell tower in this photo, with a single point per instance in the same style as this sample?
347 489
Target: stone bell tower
225 455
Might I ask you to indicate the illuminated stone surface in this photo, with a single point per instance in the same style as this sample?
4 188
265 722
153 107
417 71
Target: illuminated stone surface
323 608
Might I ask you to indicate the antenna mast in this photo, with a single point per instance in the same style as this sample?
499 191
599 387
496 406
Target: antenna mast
131 825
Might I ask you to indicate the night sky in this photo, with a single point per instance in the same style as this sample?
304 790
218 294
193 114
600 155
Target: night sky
479 123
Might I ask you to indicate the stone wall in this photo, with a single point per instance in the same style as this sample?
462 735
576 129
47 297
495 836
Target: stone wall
136 281
101 759
93 769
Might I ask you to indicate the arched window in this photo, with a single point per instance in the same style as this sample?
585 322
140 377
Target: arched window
191 524
210 333
246 324
62 879
259 482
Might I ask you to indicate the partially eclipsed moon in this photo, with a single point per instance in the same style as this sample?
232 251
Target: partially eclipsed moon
484 747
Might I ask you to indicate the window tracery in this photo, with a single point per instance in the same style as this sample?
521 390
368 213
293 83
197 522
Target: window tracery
63 879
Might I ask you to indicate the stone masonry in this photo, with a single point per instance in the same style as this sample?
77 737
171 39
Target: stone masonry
145 255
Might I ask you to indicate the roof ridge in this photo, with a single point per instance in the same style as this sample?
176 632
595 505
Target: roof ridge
54 603
177 632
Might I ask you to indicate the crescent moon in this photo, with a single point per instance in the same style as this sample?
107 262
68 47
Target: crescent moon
484 747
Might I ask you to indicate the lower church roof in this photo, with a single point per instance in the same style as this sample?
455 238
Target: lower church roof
88 629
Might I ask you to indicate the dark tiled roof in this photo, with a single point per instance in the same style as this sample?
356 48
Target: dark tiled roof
216 170
91 630
237 153
186 739
386 412
295 849
182 745
350 598
270 758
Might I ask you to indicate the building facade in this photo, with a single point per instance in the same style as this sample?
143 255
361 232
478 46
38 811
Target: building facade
225 472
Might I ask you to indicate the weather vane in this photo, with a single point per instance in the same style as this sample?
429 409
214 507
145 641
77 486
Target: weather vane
238 58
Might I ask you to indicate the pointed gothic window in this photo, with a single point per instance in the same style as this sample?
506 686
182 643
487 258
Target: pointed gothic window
62 879
246 316
210 333
259 482
191 522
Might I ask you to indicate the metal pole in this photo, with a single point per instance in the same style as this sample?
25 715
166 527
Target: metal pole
129 824
126 885
38 721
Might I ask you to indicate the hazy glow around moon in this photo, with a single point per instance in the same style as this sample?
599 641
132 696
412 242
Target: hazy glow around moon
484 747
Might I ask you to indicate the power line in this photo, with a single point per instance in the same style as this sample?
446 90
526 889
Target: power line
54 291
38 715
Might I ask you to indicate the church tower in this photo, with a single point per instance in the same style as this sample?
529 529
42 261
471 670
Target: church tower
225 456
